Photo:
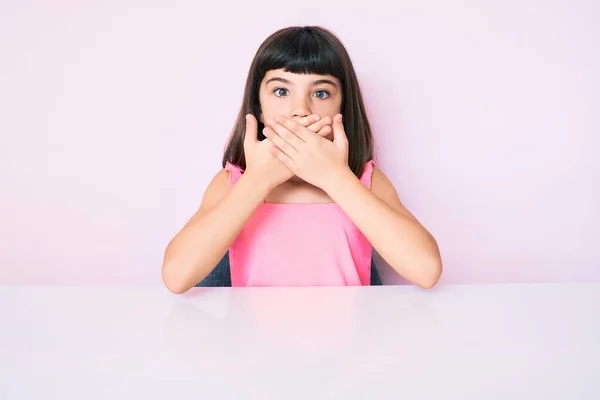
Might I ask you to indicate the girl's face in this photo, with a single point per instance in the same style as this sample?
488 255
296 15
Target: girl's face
298 95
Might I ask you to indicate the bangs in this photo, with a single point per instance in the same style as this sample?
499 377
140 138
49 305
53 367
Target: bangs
301 51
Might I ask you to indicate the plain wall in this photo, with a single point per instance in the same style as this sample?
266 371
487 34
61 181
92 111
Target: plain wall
114 115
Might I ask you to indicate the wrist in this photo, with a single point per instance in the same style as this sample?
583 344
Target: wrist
337 179
257 184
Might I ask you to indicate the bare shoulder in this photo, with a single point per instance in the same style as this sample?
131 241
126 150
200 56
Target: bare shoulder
215 191
385 191
381 186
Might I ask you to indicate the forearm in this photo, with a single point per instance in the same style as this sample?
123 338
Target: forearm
398 237
199 246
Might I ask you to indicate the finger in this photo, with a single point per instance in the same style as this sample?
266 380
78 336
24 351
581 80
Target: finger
339 134
251 135
279 142
282 125
317 126
285 132
326 131
310 119
284 158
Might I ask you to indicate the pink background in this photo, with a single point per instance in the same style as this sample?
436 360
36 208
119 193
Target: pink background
113 117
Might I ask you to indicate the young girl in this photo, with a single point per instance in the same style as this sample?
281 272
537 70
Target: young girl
299 200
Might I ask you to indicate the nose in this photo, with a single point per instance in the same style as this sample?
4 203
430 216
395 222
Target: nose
300 108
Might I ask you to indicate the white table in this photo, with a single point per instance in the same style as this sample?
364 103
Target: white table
456 342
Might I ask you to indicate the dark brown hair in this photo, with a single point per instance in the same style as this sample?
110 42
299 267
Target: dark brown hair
308 50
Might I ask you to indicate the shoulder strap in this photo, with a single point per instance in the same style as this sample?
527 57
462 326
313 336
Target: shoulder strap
235 173
367 173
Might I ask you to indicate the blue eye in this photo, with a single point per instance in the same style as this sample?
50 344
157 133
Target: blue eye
326 94
278 92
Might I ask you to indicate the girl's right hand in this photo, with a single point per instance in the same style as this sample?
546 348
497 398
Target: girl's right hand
261 164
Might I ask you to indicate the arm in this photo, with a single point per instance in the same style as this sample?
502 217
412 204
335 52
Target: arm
195 251
396 234
197 248
398 237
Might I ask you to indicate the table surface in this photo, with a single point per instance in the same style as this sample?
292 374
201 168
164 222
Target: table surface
455 341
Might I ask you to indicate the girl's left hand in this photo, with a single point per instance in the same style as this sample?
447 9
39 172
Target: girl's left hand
311 157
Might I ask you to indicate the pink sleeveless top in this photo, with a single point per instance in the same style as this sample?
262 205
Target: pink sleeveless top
300 244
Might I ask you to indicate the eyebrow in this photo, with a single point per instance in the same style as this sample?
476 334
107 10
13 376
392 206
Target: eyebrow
314 83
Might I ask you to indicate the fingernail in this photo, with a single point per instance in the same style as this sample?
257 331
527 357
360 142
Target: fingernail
247 117
316 117
339 118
